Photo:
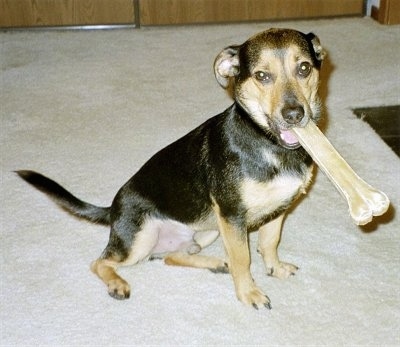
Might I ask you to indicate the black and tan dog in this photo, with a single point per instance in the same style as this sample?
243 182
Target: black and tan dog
237 172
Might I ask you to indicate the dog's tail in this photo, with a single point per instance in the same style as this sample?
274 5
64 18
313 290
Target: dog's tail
65 199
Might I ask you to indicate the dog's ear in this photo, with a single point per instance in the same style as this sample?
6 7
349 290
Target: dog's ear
319 51
226 65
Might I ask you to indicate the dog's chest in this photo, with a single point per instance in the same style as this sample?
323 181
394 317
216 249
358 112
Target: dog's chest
263 198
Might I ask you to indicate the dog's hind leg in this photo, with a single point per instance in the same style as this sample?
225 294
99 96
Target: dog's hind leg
123 249
268 240
213 264
205 238
105 269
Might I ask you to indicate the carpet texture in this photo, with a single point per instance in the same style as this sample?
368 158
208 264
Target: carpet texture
88 108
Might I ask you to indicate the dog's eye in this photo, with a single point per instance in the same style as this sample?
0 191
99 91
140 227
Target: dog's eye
304 69
263 76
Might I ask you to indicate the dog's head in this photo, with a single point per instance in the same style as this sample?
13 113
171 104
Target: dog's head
275 76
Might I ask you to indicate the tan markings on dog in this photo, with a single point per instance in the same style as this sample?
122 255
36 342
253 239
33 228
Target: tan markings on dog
237 249
145 241
197 261
262 198
267 99
105 269
268 240
271 157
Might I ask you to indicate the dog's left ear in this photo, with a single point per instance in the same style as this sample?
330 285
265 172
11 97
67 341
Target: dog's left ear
319 51
226 65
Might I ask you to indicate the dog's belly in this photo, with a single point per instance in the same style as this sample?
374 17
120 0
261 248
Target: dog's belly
162 236
172 236
264 198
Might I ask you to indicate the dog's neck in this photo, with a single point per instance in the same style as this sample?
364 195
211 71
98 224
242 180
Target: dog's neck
244 122
248 135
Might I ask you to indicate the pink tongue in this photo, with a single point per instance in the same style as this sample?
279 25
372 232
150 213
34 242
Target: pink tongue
289 137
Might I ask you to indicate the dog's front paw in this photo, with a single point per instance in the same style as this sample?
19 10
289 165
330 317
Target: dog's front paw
282 270
255 297
220 269
119 289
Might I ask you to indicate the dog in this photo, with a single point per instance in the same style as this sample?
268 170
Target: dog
237 172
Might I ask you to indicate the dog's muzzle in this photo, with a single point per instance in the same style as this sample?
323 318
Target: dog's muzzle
293 115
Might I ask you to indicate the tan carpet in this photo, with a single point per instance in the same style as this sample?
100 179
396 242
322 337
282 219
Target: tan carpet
88 108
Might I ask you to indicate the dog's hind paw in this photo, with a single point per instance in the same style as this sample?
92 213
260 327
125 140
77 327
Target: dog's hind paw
119 289
194 248
282 270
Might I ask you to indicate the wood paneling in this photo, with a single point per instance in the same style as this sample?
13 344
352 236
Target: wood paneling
22 13
25 13
156 12
388 12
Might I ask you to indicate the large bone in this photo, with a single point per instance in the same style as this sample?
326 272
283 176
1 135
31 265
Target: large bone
364 201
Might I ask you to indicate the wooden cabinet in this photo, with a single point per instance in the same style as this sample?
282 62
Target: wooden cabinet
34 13
206 11
37 13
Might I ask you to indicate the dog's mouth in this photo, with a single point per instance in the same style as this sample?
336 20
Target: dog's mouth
288 139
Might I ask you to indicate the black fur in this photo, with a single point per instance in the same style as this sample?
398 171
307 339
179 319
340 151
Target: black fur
65 199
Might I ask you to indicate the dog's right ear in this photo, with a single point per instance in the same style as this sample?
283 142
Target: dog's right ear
226 65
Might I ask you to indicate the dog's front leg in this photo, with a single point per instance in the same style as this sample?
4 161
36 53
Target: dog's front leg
237 249
268 240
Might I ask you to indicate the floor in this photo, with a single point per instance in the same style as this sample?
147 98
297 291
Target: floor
385 121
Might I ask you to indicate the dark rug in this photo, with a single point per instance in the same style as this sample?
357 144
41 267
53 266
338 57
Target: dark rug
385 121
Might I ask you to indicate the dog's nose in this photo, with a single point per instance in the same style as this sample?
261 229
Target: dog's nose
293 114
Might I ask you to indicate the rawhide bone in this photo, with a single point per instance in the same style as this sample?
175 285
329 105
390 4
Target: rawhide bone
364 201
